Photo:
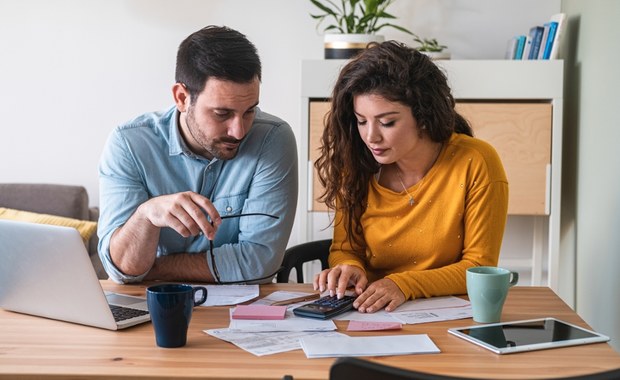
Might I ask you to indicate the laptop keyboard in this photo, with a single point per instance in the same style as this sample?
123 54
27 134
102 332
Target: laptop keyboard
122 313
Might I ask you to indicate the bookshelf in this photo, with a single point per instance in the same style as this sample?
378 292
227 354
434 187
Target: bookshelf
517 107
541 42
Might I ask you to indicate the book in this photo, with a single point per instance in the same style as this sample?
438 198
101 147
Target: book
528 47
560 18
536 34
543 41
520 47
550 37
511 48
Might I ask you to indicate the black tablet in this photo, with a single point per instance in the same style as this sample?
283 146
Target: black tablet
529 335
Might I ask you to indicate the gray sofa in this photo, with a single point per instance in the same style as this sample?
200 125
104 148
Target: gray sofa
62 200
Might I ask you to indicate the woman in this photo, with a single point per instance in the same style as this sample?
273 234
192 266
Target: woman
417 199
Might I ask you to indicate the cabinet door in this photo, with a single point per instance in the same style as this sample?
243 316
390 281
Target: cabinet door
521 134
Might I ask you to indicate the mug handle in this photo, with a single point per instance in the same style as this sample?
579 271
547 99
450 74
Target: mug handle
203 297
514 279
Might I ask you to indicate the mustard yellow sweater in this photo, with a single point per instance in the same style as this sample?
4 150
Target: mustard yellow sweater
457 222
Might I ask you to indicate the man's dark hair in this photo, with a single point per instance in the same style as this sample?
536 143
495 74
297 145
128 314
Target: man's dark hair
216 52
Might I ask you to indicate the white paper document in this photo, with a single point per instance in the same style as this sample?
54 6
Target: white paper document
220 295
289 323
324 347
433 310
267 343
422 310
432 303
436 315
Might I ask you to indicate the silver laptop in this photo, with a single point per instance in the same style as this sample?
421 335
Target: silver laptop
45 271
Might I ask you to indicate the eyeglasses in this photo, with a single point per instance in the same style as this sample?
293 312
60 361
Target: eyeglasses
216 275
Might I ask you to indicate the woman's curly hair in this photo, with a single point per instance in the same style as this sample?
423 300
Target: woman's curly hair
397 73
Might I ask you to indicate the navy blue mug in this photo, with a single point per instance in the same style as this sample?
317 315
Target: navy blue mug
170 306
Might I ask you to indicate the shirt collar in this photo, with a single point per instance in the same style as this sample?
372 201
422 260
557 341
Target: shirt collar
177 144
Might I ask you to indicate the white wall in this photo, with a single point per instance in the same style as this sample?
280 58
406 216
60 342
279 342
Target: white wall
71 70
591 186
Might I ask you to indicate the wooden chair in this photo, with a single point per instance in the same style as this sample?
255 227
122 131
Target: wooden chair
296 256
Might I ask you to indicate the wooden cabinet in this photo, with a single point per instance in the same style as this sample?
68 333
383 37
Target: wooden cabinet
521 134
514 105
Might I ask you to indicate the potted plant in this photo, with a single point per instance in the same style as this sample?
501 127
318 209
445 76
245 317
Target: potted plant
431 47
354 24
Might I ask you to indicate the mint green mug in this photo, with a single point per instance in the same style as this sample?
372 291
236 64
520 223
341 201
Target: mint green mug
487 288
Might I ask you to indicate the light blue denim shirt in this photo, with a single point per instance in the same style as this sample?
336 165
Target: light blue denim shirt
147 157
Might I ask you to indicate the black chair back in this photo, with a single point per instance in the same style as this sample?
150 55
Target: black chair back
296 256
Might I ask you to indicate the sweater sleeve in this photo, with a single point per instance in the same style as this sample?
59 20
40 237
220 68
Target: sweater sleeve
484 221
341 251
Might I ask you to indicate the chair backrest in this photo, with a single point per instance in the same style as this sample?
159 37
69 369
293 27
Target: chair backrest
69 201
353 368
613 374
63 200
296 256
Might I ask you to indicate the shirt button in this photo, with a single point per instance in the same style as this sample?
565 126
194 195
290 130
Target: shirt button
228 209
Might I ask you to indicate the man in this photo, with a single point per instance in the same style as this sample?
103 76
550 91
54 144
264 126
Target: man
172 184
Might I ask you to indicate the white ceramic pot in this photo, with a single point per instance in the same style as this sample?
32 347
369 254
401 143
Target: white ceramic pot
437 54
345 46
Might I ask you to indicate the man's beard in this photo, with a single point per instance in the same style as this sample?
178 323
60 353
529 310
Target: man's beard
214 147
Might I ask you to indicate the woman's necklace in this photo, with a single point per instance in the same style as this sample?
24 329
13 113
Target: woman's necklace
402 183
400 178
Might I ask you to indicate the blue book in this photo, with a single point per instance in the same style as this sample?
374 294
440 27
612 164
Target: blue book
550 38
543 41
536 34
520 47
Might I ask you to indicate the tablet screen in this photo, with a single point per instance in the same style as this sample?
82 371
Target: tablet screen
527 335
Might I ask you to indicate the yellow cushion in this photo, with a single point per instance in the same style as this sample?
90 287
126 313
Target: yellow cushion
85 228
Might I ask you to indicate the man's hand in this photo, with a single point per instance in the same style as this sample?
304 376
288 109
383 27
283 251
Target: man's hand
133 246
186 213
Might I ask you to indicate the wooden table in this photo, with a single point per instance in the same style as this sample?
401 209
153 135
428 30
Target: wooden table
32 347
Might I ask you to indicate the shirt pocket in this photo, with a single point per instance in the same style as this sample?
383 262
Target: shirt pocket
228 232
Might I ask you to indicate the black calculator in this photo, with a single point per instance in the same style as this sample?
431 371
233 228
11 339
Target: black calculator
325 307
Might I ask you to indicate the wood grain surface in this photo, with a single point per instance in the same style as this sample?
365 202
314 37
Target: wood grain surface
38 348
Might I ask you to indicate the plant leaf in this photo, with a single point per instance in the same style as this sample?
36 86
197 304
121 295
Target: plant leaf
356 16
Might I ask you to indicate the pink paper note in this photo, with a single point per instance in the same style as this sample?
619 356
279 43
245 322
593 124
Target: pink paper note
373 326
259 312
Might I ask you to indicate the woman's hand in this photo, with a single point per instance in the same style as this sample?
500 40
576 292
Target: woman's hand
380 294
339 278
